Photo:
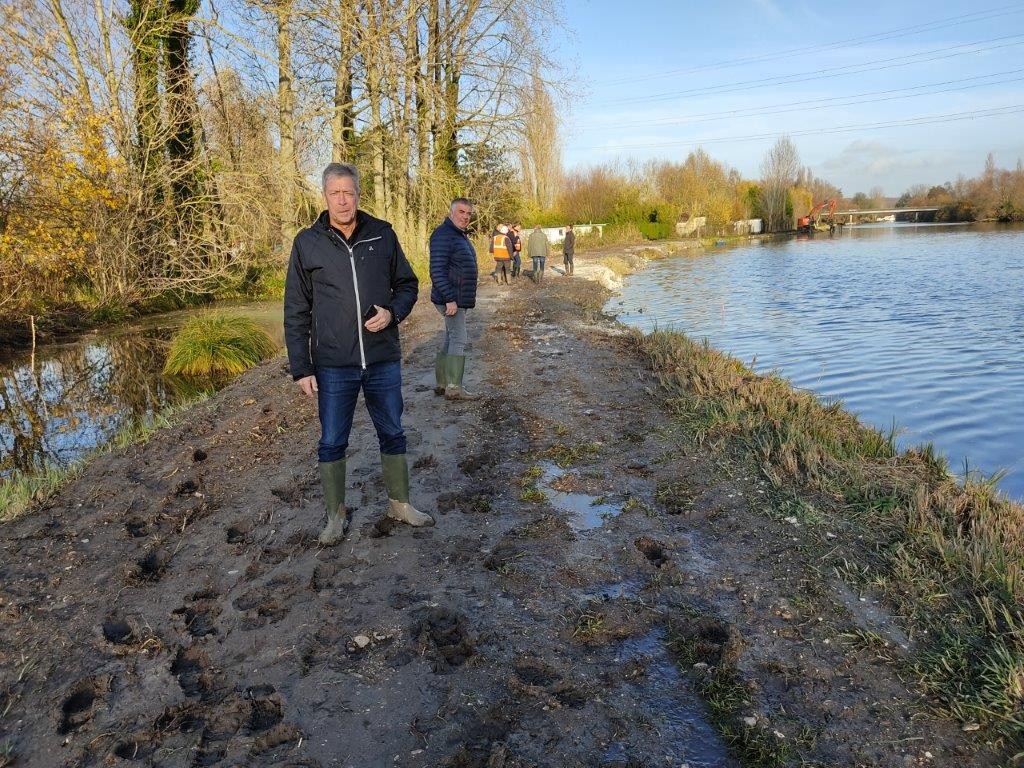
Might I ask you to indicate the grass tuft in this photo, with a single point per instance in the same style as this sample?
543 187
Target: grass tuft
217 344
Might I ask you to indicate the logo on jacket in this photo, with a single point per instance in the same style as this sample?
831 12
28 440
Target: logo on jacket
371 247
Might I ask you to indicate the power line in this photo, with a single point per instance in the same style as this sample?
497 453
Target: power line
868 66
952 117
929 26
826 102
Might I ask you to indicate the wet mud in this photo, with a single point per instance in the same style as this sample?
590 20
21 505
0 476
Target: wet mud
593 582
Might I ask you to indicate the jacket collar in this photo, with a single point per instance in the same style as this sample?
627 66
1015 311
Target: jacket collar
365 225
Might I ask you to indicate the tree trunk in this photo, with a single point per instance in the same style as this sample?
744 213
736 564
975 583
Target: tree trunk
343 118
286 122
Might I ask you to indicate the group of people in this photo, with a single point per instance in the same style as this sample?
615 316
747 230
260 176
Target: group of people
506 246
348 287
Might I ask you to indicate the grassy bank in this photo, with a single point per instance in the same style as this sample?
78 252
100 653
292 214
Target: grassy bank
948 555
19 492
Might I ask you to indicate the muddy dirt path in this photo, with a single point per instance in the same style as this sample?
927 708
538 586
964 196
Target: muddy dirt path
597 591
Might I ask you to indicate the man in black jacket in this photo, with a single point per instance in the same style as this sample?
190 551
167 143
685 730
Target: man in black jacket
348 287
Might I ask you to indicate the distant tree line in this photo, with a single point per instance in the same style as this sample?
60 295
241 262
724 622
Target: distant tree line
997 194
648 199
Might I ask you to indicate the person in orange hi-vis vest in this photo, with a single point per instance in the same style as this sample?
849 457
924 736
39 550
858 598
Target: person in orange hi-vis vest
501 249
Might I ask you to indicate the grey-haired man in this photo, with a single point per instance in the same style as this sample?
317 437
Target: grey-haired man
348 287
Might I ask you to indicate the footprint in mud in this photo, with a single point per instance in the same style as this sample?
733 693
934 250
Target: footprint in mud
474 465
186 488
266 709
290 494
183 718
655 551
138 527
271 602
705 639
137 747
238 532
199 455
503 558
191 669
382 527
119 631
295 544
440 634
152 565
464 501
534 677
80 704
200 616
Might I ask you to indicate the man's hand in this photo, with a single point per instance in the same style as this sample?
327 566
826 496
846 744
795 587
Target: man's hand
380 321
450 308
308 385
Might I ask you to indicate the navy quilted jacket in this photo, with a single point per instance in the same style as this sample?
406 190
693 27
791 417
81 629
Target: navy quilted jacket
453 268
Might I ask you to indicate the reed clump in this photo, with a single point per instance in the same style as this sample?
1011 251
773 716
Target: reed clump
217 344
948 553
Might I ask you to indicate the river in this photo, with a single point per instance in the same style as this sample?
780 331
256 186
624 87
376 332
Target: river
68 398
921 326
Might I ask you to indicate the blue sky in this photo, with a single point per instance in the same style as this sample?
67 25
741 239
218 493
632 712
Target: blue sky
658 79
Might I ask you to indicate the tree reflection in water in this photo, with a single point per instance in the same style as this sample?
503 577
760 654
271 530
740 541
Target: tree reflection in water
80 396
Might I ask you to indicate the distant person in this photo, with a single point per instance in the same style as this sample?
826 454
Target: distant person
537 250
348 287
568 249
453 274
501 249
516 236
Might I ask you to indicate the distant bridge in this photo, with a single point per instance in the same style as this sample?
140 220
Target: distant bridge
885 212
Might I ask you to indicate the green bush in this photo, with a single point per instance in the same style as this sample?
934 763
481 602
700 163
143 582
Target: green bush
215 343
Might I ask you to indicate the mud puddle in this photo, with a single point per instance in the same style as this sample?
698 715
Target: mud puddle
673 708
585 511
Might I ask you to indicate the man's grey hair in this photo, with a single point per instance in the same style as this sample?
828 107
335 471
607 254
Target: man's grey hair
460 201
341 170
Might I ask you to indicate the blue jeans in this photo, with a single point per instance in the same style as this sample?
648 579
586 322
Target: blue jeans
338 391
538 267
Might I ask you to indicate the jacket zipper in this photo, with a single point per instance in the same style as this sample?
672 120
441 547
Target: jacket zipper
355 286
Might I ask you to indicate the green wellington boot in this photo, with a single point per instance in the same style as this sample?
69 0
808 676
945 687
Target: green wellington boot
396 480
332 478
456 372
440 373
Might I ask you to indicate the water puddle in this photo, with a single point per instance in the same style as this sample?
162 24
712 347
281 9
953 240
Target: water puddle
623 590
585 511
674 708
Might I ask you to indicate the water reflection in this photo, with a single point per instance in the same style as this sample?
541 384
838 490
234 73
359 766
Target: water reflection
922 325
69 399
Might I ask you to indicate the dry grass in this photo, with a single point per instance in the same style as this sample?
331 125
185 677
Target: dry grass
949 554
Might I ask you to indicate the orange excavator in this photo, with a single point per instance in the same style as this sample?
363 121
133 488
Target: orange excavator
806 223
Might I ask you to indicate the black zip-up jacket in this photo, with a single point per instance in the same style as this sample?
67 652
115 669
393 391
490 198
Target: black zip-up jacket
330 286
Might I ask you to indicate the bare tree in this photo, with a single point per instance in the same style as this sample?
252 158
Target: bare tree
779 171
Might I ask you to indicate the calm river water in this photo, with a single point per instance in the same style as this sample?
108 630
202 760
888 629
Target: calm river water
917 325
75 396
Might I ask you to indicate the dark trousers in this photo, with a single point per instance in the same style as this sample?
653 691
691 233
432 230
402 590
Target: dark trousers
517 265
338 391
567 260
501 271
